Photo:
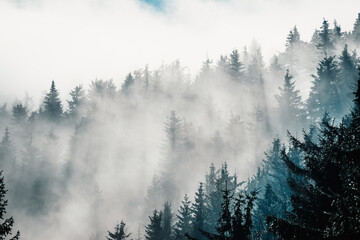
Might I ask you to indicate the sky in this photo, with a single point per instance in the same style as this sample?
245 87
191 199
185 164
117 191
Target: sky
77 41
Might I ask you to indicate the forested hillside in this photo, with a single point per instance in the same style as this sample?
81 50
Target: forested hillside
243 150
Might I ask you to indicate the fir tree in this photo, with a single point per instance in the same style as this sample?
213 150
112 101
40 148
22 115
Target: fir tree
184 217
235 67
52 104
154 230
290 105
199 210
356 29
76 102
325 187
325 44
167 222
324 95
348 74
19 113
336 32
224 225
7 225
7 151
293 38
119 233
211 180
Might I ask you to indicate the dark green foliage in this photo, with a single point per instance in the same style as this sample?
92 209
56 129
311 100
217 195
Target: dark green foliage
52 104
199 210
215 199
224 225
348 74
325 95
356 29
184 218
154 230
290 111
236 224
167 222
336 32
119 232
7 225
211 180
325 189
325 44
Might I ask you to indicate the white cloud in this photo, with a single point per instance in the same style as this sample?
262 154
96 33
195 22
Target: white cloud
76 41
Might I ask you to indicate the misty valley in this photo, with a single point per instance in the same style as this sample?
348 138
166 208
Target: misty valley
245 149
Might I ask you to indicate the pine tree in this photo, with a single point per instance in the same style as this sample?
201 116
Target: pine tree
325 44
336 33
290 109
7 151
293 38
184 217
167 222
154 230
211 180
206 70
235 67
52 104
224 224
76 102
223 65
19 113
348 74
324 95
325 187
199 210
7 225
356 29
119 232
173 132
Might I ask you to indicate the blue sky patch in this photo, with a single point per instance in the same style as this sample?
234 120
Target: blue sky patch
155 3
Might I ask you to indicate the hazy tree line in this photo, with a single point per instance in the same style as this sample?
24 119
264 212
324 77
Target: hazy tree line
304 188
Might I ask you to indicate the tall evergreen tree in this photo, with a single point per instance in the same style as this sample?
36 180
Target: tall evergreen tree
7 224
293 38
348 74
199 210
52 104
290 109
184 218
128 85
154 230
356 29
167 222
325 44
19 113
224 224
119 233
325 188
324 95
76 102
235 67
7 151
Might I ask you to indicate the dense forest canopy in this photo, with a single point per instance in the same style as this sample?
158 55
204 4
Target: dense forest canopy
245 150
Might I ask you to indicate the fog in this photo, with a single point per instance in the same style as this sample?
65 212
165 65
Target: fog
128 143
75 42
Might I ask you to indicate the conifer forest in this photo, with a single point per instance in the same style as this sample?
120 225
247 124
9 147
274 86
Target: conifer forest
245 148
